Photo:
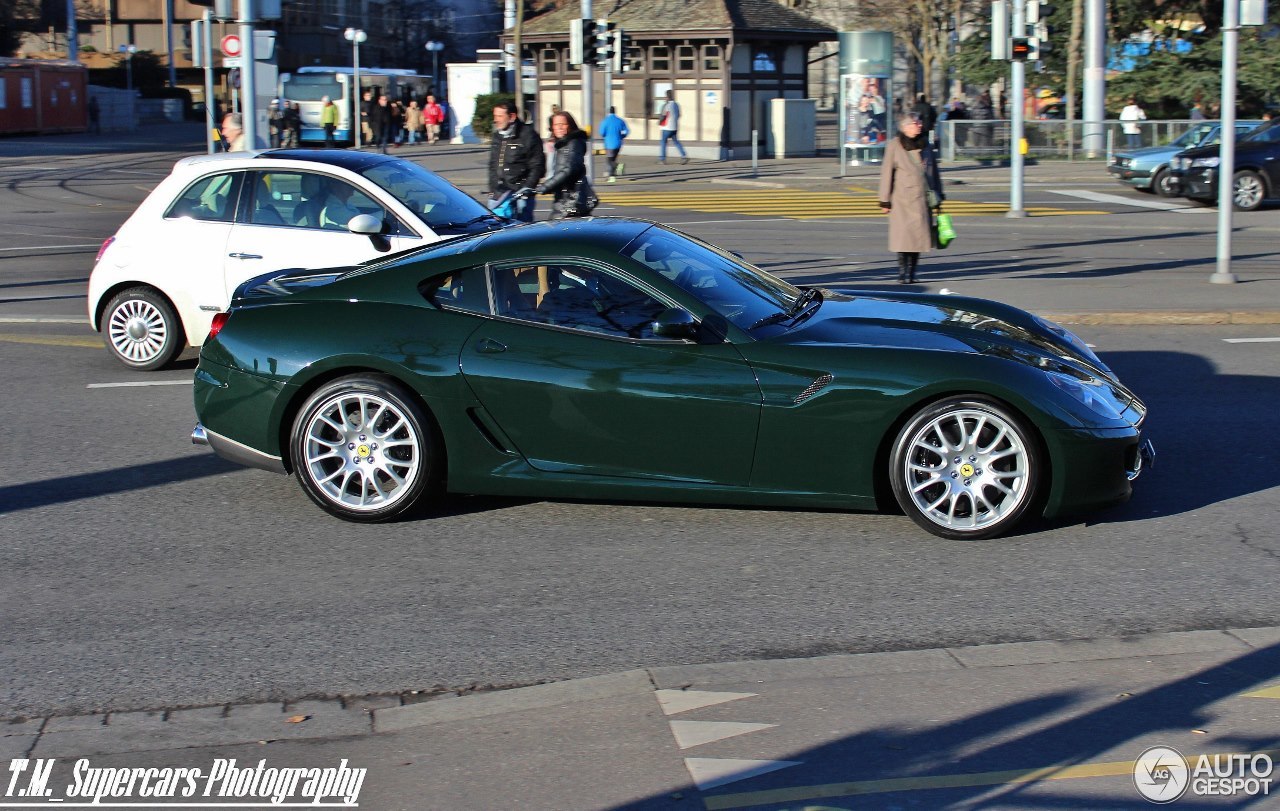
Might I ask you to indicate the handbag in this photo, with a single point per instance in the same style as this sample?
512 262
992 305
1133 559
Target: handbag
579 202
944 230
662 122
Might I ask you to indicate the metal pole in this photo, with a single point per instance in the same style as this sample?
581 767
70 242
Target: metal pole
168 41
1019 82
73 34
207 35
587 75
128 71
755 153
1095 76
356 122
248 83
1227 149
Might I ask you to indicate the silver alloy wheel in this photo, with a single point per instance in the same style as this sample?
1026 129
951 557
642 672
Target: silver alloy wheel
1248 191
362 452
137 330
967 469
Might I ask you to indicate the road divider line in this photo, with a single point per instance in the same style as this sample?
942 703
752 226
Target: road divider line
52 340
1252 340
1099 197
133 384
51 247
42 319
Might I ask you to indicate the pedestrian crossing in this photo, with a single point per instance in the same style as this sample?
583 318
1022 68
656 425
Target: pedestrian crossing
795 203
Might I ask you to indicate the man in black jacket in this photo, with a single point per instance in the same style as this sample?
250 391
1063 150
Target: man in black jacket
516 158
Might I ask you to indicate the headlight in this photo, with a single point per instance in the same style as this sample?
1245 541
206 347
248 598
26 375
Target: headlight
1090 392
1207 163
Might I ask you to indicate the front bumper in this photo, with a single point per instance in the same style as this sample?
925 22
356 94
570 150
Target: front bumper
1093 469
1137 178
1200 183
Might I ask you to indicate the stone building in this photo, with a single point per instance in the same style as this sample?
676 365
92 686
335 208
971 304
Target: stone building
724 60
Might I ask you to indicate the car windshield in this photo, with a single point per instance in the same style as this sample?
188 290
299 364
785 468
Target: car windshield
1268 134
436 201
1194 136
740 292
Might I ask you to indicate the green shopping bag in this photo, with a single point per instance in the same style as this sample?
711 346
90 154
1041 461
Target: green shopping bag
946 232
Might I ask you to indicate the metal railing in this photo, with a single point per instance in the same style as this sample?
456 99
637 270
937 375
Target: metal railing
989 142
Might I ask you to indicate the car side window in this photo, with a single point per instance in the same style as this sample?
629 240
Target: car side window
212 199
278 199
460 290
577 297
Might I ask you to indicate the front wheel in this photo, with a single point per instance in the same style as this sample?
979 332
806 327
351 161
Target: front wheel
364 449
141 330
1165 184
965 468
1248 191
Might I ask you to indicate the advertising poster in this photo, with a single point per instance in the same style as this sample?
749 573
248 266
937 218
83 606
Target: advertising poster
864 116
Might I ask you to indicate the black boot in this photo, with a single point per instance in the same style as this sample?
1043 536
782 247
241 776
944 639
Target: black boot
913 260
903 268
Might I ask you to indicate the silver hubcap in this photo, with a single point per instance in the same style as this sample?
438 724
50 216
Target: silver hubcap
1248 191
967 469
361 451
137 331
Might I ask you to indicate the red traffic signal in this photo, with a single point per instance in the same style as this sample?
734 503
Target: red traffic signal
1019 49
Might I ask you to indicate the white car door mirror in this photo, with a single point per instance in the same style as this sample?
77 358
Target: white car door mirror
365 224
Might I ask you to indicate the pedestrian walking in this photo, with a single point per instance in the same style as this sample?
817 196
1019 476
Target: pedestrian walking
329 121
367 103
568 169
1129 118
516 159
910 190
614 131
293 124
670 124
381 123
275 123
432 117
983 112
926 113
1197 112
412 123
95 115
233 133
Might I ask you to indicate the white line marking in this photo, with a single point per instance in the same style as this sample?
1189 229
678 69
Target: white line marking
1252 340
1099 197
138 383
41 319
46 247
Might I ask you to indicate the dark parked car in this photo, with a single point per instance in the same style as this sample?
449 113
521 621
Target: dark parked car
617 359
1257 170
1147 168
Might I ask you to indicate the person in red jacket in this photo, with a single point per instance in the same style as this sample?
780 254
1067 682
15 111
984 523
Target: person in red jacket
433 117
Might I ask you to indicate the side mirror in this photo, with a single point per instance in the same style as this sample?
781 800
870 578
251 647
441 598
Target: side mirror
366 224
676 324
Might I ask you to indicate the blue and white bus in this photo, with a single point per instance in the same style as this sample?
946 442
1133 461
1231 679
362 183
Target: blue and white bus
308 85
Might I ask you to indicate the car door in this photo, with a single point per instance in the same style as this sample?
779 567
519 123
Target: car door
188 252
572 373
298 219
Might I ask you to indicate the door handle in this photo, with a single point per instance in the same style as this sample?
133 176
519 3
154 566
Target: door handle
490 346
238 255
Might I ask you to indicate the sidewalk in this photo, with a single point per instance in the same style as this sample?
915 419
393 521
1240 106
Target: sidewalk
1023 725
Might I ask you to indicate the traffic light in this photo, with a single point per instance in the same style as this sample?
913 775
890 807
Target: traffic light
582 36
604 42
620 42
1038 13
1020 49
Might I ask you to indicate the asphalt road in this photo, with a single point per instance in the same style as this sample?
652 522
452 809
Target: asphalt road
143 572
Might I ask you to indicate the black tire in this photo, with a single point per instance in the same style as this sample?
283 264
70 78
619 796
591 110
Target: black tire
1248 190
346 472
141 330
970 492
1165 184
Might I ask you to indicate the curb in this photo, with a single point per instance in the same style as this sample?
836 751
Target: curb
1167 318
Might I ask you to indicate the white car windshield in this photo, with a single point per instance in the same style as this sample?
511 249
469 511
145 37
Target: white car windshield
435 201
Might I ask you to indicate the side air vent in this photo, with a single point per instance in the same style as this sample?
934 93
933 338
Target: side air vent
813 388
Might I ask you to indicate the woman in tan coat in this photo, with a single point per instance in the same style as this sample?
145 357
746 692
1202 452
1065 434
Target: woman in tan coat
909 187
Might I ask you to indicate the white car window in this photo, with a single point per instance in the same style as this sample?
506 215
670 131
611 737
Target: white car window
210 198
310 200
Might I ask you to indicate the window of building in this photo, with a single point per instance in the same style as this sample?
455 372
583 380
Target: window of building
550 61
764 60
711 58
686 59
635 58
660 59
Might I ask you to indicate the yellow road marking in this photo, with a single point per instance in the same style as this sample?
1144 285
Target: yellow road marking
52 340
1122 768
1266 692
799 204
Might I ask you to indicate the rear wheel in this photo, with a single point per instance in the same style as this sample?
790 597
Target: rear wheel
364 449
966 468
141 329
1248 190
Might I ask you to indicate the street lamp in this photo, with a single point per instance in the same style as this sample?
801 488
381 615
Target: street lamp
435 48
128 51
356 36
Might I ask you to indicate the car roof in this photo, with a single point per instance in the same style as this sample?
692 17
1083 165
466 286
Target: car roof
350 160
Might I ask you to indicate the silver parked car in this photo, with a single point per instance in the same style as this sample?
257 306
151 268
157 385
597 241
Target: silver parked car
1147 169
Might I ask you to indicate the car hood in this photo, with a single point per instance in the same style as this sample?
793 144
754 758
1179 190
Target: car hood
941 323
1150 152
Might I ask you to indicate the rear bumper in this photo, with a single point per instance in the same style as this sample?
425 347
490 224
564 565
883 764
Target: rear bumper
233 451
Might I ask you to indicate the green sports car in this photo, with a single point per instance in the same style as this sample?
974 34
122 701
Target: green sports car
608 358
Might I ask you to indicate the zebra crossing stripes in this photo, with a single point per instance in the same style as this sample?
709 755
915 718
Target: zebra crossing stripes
792 203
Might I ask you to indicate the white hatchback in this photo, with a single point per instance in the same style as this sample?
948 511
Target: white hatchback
218 220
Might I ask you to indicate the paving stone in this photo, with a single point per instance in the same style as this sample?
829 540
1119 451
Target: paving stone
13 746
1257 637
31 726
1029 653
71 723
857 664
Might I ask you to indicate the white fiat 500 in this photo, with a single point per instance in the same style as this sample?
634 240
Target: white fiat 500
218 220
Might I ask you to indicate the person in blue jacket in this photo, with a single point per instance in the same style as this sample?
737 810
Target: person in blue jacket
613 130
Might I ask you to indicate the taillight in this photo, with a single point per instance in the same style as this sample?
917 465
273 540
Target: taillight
106 243
219 320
